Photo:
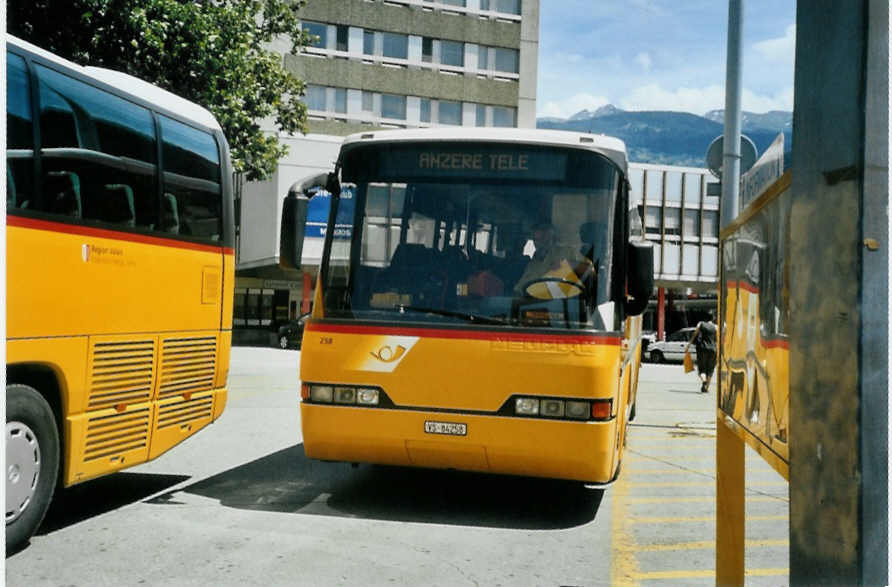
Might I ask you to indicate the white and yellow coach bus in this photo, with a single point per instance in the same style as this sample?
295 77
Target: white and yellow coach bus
482 313
120 269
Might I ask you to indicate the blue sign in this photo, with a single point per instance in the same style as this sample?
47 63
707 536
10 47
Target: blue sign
318 211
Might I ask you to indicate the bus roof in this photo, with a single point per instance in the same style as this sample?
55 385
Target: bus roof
139 89
612 148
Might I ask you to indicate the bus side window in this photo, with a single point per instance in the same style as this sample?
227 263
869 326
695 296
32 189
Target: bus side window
170 216
62 192
19 134
98 152
191 162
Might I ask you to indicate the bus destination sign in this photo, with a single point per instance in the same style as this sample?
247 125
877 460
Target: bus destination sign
537 165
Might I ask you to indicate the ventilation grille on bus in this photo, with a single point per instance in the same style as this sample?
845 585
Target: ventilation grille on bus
184 412
121 373
117 433
188 365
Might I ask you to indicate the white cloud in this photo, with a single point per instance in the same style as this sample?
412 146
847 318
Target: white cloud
644 60
782 49
569 106
655 97
702 100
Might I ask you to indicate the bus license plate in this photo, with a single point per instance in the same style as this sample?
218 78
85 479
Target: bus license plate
453 428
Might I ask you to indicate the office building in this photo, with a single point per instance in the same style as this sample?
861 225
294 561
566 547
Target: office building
379 64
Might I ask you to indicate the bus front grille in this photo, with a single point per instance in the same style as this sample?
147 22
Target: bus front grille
115 434
188 365
121 373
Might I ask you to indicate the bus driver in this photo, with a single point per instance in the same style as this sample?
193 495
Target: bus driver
549 261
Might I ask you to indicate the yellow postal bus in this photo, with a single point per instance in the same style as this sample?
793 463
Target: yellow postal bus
481 313
120 273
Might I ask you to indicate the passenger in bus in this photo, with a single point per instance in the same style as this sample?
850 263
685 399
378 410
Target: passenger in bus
511 267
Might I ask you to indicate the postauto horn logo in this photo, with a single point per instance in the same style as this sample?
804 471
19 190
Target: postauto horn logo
383 353
388 355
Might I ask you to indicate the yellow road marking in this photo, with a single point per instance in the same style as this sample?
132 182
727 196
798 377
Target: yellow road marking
710 545
673 520
677 471
655 458
702 484
623 563
702 498
707 574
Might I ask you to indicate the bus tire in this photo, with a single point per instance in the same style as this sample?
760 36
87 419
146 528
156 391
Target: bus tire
32 462
633 410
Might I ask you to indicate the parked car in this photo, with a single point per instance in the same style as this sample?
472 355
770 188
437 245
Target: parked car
671 349
292 331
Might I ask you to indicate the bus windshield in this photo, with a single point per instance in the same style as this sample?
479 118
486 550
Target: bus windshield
501 234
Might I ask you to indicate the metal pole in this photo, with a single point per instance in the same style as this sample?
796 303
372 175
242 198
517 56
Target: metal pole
733 82
730 453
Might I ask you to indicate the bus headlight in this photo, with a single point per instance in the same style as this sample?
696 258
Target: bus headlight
577 410
345 395
321 393
366 396
526 406
553 408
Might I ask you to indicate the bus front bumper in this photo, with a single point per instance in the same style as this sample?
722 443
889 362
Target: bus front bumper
558 449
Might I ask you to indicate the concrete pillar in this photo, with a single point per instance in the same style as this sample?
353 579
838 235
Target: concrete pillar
307 296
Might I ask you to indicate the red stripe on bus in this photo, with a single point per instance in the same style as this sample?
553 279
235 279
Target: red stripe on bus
775 343
605 339
22 222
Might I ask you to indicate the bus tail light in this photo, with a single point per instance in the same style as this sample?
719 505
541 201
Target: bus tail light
304 392
602 409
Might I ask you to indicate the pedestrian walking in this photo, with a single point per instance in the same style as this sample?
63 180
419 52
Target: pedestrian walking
704 341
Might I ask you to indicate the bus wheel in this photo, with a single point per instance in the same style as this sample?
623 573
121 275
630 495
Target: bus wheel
633 410
32 462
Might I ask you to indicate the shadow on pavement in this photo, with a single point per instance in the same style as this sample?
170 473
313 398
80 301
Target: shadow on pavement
288 482
99 496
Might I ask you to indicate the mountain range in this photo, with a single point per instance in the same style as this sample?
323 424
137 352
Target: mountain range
673 138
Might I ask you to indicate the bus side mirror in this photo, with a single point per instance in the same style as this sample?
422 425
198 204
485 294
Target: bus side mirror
294 215
332 185
639 276
294 219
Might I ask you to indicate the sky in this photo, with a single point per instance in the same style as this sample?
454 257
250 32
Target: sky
661 55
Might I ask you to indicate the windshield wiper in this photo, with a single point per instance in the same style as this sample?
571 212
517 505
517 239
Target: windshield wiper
473 318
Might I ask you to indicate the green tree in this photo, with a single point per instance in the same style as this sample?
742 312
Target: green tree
213 52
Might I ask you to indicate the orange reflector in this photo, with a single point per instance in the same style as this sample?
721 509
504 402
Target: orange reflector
304 392
601 410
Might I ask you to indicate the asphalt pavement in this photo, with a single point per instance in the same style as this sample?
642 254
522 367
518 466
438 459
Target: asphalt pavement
239 504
